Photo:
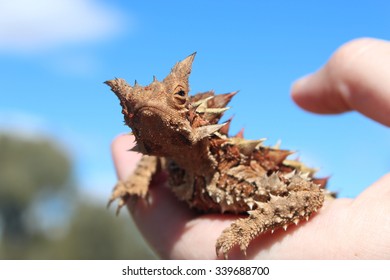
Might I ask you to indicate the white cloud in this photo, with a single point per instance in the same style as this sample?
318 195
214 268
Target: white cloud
36 25
82 64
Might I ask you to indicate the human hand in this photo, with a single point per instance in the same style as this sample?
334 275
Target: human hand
355 78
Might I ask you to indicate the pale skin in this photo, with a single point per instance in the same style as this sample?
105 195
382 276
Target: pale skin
356 77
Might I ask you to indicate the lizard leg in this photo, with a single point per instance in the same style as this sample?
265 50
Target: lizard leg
278 212
137 184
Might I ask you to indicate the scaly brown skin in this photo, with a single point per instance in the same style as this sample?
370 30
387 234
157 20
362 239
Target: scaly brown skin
209 170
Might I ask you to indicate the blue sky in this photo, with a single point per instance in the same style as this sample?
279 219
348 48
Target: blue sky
55 55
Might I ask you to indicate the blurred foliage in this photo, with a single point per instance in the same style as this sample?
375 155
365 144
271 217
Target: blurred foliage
28 166
41 215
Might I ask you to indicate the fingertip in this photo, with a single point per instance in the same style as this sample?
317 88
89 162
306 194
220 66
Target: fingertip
124 160
300 92
122 140
354 78
316 93
307 93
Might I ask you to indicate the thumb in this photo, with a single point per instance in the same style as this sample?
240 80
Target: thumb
357 77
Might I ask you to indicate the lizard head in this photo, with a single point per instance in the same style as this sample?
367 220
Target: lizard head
158 113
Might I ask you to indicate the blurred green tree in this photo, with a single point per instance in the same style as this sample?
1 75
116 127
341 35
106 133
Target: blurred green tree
41 216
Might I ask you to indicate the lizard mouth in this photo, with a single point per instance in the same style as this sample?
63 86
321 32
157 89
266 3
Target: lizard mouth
148 111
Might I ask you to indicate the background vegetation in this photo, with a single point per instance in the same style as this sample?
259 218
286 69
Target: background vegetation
42 215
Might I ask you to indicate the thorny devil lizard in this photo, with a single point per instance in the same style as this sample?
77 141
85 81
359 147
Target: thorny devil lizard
211 171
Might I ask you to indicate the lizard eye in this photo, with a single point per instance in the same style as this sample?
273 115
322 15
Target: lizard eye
180 97
181 93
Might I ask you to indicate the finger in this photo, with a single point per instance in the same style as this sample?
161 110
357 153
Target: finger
378 196
357 77
369 220
124 160
163 222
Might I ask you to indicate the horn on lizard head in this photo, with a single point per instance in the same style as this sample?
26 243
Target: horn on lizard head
181 70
